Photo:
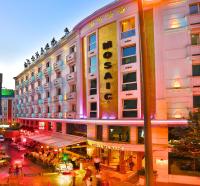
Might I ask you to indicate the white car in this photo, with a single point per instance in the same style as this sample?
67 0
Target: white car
2 138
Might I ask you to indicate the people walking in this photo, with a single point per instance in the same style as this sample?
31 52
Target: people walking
97 163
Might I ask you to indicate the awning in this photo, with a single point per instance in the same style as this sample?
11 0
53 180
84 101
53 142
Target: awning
58 141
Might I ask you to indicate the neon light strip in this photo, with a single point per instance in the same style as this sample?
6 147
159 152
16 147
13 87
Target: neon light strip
109 122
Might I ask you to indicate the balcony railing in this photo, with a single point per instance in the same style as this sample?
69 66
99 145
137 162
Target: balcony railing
32 79
58 98
193 19
71 77
47 86
71 58
39 76
70 115
194 50
58 82
59 65
71 96
47 71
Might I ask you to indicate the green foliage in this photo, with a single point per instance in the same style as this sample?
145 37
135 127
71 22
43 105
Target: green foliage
188 142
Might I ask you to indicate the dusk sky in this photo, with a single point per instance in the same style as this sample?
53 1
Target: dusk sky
27 25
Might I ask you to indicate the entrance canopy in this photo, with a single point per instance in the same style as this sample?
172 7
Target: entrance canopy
57 140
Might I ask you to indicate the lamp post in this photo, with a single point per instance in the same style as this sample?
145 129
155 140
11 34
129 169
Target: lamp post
145 69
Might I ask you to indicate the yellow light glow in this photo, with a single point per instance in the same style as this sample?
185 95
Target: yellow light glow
176 84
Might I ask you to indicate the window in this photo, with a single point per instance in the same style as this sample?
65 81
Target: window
47 64
58 74
72 68
26 77
39 69
196 101
59 91
93 87
73 108
195 8
59 108
99 132
129 82
47 79
58 58
196 70
32 73
72 49
129 108
119 133
47 94
73 88
48 109
76 129
93 64
50 126
39 83
92 42
39 96
141 135
128 28
58 127
128 55
93 110
195 39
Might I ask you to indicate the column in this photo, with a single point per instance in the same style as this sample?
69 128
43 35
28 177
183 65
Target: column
105 133
63 128
133 135
91 131
54 126
122 164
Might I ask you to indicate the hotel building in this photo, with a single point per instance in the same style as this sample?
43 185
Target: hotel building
89 83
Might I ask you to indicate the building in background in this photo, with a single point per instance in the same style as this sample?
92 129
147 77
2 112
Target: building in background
1 80
89 83
8 113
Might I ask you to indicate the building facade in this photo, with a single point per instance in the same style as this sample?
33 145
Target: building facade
89 83
8 107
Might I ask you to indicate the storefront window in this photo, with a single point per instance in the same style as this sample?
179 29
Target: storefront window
93 87
92 42
128 55
49 126
129 108
129 81
141 135
76 129
128 28
119 133
99 132
58 127
93 64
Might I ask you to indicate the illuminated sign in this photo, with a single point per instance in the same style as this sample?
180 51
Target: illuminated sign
7 93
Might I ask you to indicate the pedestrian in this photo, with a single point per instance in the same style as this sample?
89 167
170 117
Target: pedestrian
17 170
10 171
87 178
97 163
131 163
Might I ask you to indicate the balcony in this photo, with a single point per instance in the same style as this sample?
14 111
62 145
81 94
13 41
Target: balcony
32 79
40 115
39 76
71 78
58 98
44 115
46 86
39 89
58 66
58 115
195 82
58 82
40 101
70 59
47 71
71 97
36 115
194 19
47 100
70 115
194 50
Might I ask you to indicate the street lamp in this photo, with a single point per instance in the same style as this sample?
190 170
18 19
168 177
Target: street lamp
146 82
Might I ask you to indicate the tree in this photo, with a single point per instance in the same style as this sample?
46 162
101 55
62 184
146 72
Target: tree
187 143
